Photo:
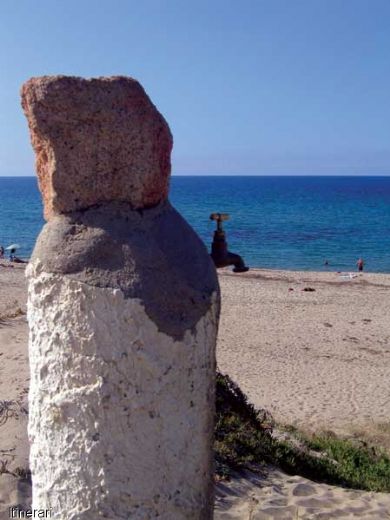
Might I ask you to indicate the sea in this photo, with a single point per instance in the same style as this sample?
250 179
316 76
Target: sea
289 222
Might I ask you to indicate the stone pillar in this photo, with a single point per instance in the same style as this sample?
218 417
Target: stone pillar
123 305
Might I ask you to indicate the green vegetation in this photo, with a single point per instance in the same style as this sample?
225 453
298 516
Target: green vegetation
243 439
242 434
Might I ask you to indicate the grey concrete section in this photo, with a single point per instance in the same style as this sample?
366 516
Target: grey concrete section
151 254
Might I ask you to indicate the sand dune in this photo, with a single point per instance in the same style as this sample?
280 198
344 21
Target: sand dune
319 360
283 497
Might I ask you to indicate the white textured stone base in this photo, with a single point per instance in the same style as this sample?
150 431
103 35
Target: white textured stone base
121 415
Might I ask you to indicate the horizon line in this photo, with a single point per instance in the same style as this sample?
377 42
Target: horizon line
242 175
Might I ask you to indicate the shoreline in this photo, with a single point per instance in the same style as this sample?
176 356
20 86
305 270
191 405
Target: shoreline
269 270
5 262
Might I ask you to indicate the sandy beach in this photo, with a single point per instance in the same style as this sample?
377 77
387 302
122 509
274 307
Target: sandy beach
14 383
312 348
316 359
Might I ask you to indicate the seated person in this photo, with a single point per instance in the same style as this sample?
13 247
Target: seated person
14 258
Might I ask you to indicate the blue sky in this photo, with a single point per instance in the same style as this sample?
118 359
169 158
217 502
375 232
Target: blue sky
251 87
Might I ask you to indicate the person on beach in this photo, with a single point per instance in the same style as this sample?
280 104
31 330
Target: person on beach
360 264
14 258
1 251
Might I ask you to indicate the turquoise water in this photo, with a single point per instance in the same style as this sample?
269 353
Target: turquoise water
276 222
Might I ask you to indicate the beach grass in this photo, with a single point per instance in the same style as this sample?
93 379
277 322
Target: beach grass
242 433
244 438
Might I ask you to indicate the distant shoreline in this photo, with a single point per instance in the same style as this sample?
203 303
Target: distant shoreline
255 272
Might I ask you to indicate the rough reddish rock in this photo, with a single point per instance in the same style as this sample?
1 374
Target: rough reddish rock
96 141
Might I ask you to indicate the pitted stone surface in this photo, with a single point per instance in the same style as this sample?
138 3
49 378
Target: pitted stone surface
153 255
96 141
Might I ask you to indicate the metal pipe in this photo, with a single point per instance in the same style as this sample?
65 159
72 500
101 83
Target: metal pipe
220 254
